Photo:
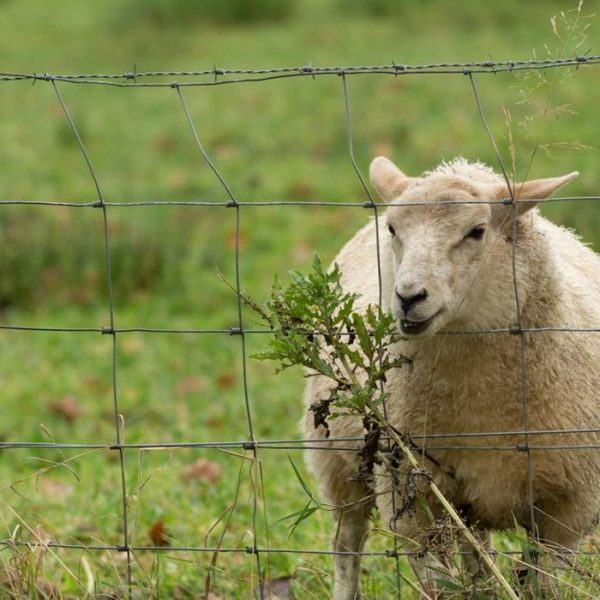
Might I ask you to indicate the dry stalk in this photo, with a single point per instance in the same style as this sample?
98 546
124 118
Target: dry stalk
397 439
479 548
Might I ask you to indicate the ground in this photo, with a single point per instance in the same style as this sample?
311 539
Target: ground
280 140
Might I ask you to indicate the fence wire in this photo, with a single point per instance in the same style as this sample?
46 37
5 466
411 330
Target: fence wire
251 446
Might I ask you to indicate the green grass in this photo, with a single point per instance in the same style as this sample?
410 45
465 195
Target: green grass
216 11
282 140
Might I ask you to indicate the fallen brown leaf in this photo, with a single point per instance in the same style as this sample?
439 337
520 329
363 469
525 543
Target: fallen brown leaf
214 423
301 190
203 470
158 534
67 408
190 385
225 381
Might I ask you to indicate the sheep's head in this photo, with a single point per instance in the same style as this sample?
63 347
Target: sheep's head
452 259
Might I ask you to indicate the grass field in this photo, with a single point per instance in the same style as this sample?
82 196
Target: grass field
280 140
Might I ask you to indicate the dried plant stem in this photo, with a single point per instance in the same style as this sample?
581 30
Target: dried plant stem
479 548
398 440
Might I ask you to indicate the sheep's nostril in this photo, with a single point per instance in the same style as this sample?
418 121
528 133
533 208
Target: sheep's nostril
407 302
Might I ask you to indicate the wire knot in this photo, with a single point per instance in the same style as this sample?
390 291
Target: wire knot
217 72
308 69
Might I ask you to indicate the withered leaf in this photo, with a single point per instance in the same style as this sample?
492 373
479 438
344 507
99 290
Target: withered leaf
158 534
203 470
67 407
225 381
190 385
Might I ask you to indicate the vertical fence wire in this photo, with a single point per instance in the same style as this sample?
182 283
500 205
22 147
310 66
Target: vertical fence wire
251 446
510 185
370 203
118 418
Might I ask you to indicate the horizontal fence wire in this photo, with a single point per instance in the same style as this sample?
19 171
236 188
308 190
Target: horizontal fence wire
220 76
522 440
231 331
252 550
333 444
265 203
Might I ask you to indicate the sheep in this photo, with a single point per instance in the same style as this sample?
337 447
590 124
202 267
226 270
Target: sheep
448 268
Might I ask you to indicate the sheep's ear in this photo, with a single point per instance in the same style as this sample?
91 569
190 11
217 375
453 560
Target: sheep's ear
534 190
389 181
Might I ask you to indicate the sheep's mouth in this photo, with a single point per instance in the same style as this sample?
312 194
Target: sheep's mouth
415 327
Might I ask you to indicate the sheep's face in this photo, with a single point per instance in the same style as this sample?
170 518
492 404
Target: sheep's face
452 255
440 252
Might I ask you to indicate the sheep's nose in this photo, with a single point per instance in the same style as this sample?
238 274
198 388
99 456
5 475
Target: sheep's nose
407 302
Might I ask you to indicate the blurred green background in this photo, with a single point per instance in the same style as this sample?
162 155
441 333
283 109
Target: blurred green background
280 140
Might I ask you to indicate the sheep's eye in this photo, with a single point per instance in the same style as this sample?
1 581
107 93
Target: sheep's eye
391 230
476 233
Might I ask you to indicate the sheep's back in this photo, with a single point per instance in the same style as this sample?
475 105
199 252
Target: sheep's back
576 268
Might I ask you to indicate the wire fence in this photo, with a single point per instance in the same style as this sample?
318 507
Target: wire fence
251 444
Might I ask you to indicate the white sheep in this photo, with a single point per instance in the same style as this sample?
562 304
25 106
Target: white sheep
446 268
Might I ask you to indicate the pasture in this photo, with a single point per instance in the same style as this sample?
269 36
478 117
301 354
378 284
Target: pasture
283 140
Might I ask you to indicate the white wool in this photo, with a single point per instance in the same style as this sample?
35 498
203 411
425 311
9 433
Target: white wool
469 384
476 171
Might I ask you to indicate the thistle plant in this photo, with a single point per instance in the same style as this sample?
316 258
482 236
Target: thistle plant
316 325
